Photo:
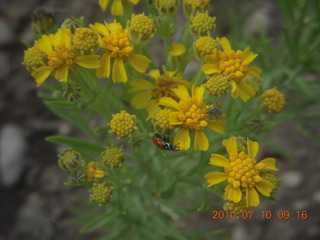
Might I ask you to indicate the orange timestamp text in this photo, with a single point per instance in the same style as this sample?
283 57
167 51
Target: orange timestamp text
250 214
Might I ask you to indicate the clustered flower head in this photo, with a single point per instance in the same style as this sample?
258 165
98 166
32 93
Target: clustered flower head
101 193
202 24
190 115
217 84
123 124
235 65
168 7
273 100
162 123
113 157
193 6
92 173
85 41
204 46
141 28
150 92
244 175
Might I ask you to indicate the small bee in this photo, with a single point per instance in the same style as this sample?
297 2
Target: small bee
163 143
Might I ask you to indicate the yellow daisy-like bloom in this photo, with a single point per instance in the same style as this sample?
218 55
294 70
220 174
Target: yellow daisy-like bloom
61 57
273 100
192 6
113 157
141 28
123 124
177 49
217 84
191 115
117 47
100 193
202 24
167 6
234 64
91 172
242 173
204 46
85 41
34 58
150 93
117 6
162 123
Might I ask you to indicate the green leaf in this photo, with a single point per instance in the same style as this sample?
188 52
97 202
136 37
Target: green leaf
60 104
98 222
87 149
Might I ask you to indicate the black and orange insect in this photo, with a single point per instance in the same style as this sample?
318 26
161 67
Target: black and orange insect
163 143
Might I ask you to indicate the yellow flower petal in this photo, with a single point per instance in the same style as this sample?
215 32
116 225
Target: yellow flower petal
197 92
140 85
231 145
152 109
232 194
201 142
177 49
217 125
182 139
181 92
218 160
248 56
174 118
252 197
270 164
141 100
264 187
62 74
119 72
225 44
45 44
116 8
88 61
234 90
154 73
41 74
245 91
139 62
103 4
209 68
104 70
255 71
215 178
253 148
100 28
169 102
134 1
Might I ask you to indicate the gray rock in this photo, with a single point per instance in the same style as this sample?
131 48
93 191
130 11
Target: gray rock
12 150
4 64
6 33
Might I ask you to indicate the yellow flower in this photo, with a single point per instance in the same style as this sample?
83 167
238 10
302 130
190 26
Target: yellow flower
202 24
204 46
115 42
234 65
167 6
191 115
238 207
117 6
141 28
177 49
217 84
150 93
85 41
91 172
113 156
273 100
34 58
123 124
61 57
162 123
193 6
242 173
101 193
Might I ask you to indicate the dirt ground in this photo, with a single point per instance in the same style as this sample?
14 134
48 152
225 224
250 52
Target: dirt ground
34 203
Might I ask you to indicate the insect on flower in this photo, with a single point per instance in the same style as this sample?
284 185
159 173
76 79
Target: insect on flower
163 143
215 111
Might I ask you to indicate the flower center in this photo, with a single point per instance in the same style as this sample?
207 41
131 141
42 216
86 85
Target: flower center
193 114
61 57
241 171
118 43
231 64
163 87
